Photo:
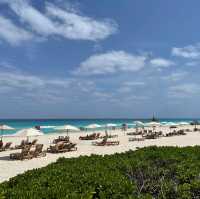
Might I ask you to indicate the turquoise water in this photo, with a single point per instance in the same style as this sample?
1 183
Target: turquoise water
49 124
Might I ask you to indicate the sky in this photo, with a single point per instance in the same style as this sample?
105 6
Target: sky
99 59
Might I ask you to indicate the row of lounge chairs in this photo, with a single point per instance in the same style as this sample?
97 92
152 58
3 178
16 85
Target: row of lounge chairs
175 133
60 145
5 147
27 153
104 142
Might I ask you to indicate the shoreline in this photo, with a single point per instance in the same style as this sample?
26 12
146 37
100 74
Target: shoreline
10 168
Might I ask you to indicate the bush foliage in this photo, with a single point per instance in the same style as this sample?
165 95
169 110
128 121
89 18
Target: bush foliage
152 172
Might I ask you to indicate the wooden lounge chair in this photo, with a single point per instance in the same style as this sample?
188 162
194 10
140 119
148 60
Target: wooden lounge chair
108 136
151 136
38 151
6 146
135 133
1 144
34 142
105 142
23 155
61 139
21 145
69 147
61 147
93 136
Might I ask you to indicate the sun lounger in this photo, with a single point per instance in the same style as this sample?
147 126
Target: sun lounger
6 146
23 155
151 136
134 133
24 143
61 139
1 144
69 147
61 147
175 133
93 136
21 145
38 151
108 136
105 142
34 142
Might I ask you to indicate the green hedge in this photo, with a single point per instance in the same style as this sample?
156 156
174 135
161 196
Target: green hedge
152 172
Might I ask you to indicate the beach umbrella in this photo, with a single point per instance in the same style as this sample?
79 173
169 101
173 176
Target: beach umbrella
183 123
67 128
110 125
139 123
4 127
29 132
170 124
195 122
47 127
153 124
93 126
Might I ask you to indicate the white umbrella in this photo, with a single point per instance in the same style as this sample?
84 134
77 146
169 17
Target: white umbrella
67 128
153 124
171 124
30 132
92 126
183 123
139 123
47 127
4 127
111 125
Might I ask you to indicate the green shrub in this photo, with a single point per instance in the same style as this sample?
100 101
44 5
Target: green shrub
152 172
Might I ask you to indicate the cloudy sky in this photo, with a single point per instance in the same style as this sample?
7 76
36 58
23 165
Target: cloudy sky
85 59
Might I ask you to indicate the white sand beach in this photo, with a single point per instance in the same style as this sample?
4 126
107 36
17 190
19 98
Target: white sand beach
10 168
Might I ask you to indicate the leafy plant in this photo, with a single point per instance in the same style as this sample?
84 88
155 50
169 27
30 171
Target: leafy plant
152 172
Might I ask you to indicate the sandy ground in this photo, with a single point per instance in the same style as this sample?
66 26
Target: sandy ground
10 168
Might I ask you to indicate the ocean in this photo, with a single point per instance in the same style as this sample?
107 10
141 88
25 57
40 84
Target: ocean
48 125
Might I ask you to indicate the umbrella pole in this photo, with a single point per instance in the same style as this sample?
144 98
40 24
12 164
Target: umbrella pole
1 134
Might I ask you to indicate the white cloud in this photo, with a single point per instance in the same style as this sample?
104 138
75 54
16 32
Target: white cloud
74 26
128 86
191 51
160 62
111 62
133 83
60 22
18 80
31 16
184 90
176 76
192 63
11 33
7 65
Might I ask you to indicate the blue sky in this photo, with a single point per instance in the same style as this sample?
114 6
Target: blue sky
84 59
